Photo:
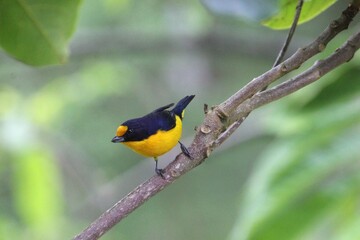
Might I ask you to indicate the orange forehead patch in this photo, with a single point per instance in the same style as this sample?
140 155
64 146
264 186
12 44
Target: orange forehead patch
121 130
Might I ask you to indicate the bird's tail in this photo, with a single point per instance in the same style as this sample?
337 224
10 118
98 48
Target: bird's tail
181 105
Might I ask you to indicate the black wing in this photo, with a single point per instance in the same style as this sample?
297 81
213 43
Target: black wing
162 108
142 128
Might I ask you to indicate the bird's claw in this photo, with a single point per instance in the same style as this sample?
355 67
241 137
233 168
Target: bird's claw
185 151
160 172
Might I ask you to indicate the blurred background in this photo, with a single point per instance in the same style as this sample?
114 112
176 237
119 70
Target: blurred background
289 172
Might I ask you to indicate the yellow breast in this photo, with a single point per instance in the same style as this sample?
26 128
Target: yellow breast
159 143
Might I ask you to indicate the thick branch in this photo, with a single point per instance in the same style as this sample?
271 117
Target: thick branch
212 132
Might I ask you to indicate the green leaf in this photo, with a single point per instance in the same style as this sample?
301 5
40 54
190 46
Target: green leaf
37 31
284 18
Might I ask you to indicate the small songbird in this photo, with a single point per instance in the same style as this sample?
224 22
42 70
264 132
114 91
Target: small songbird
155 133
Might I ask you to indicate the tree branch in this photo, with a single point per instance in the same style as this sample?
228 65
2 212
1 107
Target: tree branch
342 55
293 62
211 132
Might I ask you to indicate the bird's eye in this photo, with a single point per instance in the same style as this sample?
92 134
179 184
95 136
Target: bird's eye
130 131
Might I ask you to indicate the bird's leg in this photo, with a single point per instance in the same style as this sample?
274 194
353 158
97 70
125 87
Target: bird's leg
159 171
185 151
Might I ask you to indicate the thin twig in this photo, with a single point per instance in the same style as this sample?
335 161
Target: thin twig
228 132
290 34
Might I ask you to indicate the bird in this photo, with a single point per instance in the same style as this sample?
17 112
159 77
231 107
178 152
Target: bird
155 133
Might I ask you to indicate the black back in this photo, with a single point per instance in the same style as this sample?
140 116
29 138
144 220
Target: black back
144 127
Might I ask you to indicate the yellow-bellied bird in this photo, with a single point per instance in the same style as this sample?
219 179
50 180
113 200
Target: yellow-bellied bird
155 133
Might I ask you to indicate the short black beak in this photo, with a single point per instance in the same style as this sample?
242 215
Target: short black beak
118 139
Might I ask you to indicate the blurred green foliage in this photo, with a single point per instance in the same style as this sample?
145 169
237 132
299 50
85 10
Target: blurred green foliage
59 170
37 193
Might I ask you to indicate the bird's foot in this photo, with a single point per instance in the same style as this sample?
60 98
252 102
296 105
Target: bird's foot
160 172
185 151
